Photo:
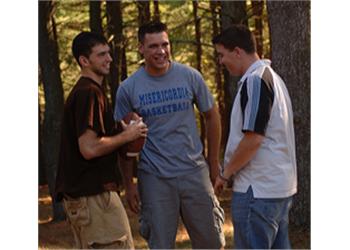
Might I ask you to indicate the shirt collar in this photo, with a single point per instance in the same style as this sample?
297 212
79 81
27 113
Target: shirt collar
253 67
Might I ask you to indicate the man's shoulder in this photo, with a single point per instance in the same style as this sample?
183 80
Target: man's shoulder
86 84
187 70
132 79
84 88
181 66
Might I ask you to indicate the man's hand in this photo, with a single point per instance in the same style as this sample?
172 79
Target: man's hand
133 198
219 185
214 172
135 130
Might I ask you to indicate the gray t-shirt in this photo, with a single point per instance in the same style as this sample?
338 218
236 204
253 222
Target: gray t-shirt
173 147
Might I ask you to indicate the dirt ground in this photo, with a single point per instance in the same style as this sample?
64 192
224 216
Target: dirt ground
58 235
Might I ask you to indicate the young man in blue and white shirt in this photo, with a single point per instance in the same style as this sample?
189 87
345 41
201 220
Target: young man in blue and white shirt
260 153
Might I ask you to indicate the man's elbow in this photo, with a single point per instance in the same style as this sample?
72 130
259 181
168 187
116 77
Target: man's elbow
255 139
87 153
212 115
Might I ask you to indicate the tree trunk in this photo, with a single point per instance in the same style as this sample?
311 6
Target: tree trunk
95 17
199 66
143 15
124 65
144 12
156 13
53 90
115 30
289 23
231 13
42 174
218 77
258 6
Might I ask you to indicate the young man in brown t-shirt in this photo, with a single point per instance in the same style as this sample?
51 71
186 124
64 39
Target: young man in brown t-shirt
86 177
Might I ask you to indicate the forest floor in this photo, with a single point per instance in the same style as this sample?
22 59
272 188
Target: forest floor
57 235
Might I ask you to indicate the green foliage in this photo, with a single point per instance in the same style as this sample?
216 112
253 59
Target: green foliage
72 17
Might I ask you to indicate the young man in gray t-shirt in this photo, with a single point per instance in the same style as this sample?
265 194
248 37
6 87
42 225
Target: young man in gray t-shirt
174 178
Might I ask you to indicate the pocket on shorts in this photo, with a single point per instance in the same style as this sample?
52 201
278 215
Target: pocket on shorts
77 211
144 220
219 214
103 200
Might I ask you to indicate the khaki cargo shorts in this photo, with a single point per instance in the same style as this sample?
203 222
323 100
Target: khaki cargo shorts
99 221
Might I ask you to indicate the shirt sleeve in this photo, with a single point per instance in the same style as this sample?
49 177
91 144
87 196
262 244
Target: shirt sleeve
88 112
202 96
256 103
122 104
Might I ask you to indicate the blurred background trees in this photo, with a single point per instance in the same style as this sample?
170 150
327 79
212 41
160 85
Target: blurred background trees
282 30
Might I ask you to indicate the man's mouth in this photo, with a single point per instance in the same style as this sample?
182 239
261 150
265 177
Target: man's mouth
160 59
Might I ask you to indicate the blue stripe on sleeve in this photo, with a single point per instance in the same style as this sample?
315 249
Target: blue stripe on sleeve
255 97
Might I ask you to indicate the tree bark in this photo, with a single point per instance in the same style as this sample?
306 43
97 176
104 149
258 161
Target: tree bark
218 77
124 65
231 13
95 17
156 13
199 66
115 30
42 173
144 12
257 6
289 23
53 90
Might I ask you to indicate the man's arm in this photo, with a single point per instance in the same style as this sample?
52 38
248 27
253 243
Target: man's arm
92 146
131 193
245 151
212 119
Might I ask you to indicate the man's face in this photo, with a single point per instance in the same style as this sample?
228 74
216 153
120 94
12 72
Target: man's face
99 60
230 59
156 51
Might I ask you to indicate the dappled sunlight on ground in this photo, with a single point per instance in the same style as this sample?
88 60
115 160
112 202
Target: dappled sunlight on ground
58 235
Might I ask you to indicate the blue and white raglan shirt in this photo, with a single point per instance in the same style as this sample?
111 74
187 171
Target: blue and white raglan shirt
263 106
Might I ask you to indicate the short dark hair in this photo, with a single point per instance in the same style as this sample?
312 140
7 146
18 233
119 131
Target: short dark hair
151 27
237 35
84 42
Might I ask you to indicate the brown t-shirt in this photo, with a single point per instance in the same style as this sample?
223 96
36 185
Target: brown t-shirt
86 107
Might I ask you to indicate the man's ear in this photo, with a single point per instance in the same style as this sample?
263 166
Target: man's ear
83 61
238 51
141 47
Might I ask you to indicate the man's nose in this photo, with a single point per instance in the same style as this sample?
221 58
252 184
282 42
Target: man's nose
161 50
220 60
109 57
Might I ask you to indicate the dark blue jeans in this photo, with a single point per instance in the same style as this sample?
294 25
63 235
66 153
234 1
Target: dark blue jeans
260 223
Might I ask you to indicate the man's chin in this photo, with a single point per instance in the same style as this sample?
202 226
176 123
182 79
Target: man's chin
163 66
104 73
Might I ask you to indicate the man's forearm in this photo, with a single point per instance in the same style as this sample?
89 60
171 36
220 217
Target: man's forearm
214 140
245 151
127 167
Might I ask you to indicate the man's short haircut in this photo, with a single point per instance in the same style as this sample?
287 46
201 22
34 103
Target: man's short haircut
237 36
84 42
151 27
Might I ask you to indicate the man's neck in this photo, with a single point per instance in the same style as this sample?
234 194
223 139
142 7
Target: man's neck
250 59
157 72
93 76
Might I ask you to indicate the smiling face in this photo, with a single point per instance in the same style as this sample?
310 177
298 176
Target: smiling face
155 48
98 61
230 59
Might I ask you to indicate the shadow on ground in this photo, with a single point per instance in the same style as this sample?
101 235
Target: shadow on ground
57 235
